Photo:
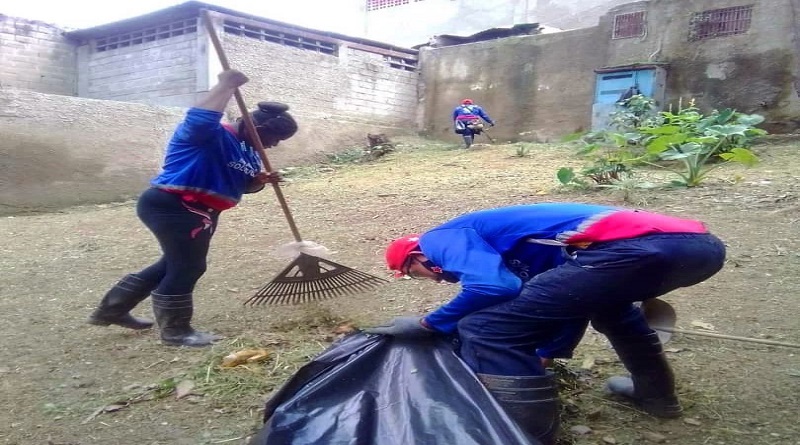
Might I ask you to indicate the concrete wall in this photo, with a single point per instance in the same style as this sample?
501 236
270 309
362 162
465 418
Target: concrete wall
751 72
36 56
160 72
536 87
541 87
58 150
418 21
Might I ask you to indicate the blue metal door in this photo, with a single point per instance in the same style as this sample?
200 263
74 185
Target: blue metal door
610 86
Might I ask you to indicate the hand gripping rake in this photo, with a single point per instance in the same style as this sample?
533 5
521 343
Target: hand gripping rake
308 278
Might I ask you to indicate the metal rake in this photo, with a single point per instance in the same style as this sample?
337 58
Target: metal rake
308 278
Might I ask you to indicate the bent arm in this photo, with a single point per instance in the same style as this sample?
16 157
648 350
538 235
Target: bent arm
485 280
220 94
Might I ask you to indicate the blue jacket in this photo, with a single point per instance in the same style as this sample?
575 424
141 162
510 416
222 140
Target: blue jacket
203 156
470 112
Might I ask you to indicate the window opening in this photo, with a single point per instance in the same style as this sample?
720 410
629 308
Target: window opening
372 5
629 25
145 35
720 22
282 38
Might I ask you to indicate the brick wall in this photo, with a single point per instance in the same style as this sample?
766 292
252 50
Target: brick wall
36 56
160 72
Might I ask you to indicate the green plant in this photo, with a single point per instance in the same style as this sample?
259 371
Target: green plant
634 112
684 141
699 142
522 149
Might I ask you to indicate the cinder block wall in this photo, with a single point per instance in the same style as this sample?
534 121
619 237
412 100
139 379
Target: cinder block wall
36 56
160 72
337 100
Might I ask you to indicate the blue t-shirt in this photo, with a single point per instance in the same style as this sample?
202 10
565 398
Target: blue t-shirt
204 157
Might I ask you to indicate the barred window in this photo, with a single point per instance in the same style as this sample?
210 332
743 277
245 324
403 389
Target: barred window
629 25
282 38
401 63
382 4
720 22
145 35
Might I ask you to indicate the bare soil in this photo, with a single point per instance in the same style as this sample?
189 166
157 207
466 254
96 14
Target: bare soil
65 382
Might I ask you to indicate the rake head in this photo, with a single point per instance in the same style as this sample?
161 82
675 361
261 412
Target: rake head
309 278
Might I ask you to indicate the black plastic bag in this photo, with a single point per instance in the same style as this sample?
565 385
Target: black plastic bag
377 390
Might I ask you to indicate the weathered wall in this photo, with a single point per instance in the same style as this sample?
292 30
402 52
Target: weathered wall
752 72
542 86
160 72
536 87
57 151
36 56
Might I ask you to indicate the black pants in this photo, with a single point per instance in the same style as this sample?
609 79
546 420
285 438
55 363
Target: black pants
184 231
600 284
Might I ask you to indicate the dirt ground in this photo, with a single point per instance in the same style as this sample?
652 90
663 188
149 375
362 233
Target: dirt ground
65 382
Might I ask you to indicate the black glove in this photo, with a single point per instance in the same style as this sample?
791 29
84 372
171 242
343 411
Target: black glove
403 327
491 124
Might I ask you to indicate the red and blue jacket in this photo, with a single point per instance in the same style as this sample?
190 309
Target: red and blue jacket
492 252
206 161
469 113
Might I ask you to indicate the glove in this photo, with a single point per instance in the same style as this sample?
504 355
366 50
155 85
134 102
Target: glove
403 327
492 124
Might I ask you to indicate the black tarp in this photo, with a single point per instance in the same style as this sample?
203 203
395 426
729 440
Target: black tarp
377 390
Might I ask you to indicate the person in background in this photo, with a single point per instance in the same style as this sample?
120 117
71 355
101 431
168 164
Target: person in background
208 166
467 120
533 277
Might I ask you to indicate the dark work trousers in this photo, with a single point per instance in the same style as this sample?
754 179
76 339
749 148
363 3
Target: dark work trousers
184 231
599 283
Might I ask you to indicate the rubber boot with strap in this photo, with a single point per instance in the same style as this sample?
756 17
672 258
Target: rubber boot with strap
531 401
651 385
174 316
116 305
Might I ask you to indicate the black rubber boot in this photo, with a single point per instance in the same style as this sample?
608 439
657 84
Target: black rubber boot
174 316
531 401
116 305
651 385
468 140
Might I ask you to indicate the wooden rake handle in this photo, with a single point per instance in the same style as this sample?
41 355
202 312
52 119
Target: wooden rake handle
727 337
248 122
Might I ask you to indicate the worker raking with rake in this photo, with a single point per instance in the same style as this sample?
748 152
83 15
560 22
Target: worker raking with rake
208 167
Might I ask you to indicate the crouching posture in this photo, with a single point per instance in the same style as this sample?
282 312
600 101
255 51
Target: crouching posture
208 167
533 277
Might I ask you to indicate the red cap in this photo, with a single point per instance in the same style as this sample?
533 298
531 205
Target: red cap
467 101
398 251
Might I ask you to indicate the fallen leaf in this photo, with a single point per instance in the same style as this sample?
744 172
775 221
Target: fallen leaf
580 430
673 350
609 439
244 356
183 389
654 437
703 325
692 421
